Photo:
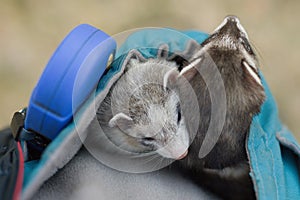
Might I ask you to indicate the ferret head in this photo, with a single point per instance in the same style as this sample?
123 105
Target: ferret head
228 48
147 109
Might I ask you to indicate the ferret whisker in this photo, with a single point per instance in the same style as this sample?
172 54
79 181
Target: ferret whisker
257 52
151 159
140 155
158 163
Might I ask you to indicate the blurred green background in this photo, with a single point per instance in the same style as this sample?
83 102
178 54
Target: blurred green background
31 30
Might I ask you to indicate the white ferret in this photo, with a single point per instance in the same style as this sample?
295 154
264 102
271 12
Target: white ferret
142 113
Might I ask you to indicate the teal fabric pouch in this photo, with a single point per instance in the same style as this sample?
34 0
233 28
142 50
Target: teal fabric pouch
273 152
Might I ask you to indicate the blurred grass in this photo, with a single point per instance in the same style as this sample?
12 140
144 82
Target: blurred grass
31 30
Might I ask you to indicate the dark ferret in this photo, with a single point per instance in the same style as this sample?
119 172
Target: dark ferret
225 169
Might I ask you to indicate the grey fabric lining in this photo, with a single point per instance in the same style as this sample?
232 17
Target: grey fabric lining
86 178
59 158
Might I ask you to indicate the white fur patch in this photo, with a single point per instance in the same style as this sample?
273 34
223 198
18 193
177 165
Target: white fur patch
226 41
241 28
113 121
252 73
190 66
249 59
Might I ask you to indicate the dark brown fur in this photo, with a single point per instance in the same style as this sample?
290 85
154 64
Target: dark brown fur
225 170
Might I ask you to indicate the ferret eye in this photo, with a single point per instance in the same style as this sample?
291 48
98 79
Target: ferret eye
178 113
246 45
147 141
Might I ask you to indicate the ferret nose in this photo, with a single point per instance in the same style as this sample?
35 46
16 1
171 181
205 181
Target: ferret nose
231 22
183 155
232 18
231 25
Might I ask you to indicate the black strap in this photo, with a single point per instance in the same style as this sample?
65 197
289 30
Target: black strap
9 164
33 142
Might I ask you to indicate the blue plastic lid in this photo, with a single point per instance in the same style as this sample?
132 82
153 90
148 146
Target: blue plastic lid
82 58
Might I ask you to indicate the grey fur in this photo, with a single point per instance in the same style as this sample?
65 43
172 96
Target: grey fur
141 113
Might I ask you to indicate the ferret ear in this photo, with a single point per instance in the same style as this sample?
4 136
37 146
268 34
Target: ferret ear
133 59
170 78
123 121
163 51
190 70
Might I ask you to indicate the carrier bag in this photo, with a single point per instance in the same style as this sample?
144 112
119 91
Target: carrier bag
63 168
